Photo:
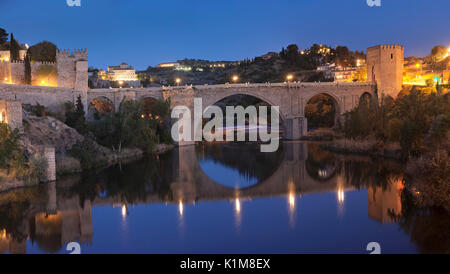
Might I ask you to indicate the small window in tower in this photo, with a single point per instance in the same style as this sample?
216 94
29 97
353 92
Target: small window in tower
392 56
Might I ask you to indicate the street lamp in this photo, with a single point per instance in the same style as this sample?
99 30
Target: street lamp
289 77
178 81
235 78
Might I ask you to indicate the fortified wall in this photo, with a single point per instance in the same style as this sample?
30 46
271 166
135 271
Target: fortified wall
69 80
11 113
69 71
51 97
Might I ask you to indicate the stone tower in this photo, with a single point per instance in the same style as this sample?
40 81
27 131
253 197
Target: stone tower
72 70
385 68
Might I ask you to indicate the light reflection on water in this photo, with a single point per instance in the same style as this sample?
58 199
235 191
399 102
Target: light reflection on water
300 199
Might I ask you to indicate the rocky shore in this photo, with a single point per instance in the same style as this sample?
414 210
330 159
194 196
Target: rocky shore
49 131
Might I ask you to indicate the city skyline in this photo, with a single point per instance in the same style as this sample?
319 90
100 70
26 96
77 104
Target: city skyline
138 35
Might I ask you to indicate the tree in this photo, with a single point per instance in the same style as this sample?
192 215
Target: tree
14 49
438 52
3 36
27 70
292 54
75 116
44 52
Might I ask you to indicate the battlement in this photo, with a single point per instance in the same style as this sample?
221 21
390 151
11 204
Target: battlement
387 47
33 62
76 53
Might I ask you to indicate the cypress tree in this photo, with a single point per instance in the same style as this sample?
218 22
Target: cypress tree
14 49
27 70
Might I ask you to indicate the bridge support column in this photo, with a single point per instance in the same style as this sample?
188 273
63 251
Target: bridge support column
295 128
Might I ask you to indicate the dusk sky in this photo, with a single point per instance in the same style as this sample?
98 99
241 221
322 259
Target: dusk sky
149 32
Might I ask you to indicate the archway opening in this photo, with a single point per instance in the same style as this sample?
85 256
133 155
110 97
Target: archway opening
260 123
321 111
99 107
366 99
147 106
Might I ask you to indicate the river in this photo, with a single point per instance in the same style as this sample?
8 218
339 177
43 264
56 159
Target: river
225 198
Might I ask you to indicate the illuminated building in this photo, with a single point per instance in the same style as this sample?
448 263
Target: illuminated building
123 72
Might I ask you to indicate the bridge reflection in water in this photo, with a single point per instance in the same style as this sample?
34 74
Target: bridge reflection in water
53 215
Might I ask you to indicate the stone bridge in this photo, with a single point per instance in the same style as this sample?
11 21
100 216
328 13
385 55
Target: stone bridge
291 98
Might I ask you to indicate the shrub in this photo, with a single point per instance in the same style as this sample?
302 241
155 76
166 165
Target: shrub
88 154
37 170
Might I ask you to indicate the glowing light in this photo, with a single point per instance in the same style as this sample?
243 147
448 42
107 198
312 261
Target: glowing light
291 199
341 195
7 59
180 208
178 81
124 211
237 205
3 234
290 77
235 78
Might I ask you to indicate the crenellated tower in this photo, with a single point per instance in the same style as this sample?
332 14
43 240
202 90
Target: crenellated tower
385 68
73 71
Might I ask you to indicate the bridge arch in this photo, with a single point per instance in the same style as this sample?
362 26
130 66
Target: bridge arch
322 110
210 101
99 106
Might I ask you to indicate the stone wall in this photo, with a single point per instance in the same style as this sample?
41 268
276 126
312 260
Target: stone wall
49 154
11 113
5 72
17 72
51 97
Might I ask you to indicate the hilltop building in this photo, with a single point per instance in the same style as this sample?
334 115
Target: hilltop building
123 74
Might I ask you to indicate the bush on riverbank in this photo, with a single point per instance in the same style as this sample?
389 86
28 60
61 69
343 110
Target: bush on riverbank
419 122
407 120
131 126
430 179
14 165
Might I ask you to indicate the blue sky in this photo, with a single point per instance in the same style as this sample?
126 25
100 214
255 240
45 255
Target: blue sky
147 32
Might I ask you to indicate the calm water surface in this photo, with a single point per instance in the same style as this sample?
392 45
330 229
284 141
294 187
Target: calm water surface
225 198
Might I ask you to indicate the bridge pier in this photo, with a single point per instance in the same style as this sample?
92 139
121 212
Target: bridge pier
295 128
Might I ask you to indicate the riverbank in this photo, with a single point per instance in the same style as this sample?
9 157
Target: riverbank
51 132
66 165
369 147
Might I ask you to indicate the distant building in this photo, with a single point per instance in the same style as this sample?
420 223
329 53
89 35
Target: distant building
339 73
344 74
172 65
123 72
5 55
270 55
